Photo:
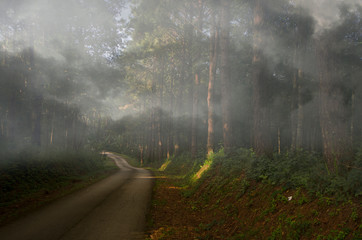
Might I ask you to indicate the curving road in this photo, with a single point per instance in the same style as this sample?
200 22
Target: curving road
114 208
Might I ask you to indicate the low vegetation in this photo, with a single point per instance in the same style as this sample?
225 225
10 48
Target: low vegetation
242 196
29 180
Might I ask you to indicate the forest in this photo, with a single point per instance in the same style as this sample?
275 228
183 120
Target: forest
276 76
273 86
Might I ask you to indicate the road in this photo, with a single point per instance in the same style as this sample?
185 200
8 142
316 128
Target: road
114 208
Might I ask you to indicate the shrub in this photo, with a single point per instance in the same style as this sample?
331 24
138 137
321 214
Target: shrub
292 170
30 170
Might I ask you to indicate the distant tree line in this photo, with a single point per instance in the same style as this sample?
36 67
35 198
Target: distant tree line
55 71
28 116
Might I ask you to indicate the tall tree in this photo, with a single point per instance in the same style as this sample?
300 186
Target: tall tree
262 142
213 53
338 58
225 73
197 75
333 121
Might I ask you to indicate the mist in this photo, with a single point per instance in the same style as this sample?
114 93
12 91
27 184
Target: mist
248 112
130 74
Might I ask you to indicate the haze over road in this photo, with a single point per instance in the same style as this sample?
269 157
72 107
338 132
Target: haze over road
114 208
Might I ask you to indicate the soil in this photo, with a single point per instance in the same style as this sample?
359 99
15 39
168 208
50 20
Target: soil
237 209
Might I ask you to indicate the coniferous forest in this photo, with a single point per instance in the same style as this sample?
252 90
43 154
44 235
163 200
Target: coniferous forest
272 88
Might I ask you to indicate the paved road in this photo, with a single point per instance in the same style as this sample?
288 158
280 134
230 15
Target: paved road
114 208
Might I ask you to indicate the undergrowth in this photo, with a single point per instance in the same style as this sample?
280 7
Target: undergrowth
298 169
29 173
244 196
292 170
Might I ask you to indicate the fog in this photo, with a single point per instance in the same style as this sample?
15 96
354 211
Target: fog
76 64
326 13
73 34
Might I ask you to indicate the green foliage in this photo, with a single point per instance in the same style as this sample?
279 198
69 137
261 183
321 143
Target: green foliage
353 182
298 170
304 169
354 214
335 235
30 171
291 169
182 165
234 164
291 228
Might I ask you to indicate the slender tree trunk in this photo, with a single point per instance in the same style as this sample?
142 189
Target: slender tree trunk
294 104
74 128
2 127
190 76
195 97
297 106
333 116
3 66
180 109
262 140
297 111
225 75
170 133
211 90
148 147
37 101
52 129
353 102
300 116
12 110
195 117
160 114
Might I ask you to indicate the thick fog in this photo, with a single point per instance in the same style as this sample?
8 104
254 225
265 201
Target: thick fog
326 13
80 39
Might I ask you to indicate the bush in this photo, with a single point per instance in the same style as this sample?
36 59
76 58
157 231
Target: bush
291 169
30 170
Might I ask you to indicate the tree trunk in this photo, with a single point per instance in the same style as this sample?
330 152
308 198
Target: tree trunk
211 90
297 106
262 140
195 117
52 129
160 114
37 100
300 114
195 97
225 74
297 111
353 103
333 115
170 131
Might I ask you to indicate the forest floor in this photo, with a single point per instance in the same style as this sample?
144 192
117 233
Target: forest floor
222 208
